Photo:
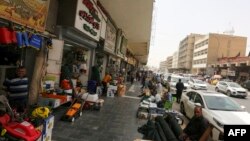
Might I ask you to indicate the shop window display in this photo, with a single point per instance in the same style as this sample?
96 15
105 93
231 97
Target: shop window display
75 64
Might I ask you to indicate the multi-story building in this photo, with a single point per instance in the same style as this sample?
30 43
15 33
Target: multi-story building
211 47
175 60
163 66
185 56
169 62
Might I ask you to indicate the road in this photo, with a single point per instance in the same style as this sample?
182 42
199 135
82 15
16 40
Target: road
244 102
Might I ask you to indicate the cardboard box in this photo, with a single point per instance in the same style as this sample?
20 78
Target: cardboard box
112 87
63 98
121 90
90 97
48 124
110 93
51 102
47 136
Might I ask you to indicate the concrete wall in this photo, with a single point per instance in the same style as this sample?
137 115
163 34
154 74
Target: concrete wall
66 12
52 16
225 46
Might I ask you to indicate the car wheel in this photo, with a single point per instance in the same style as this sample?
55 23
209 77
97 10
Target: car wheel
216 89
182 109
229 93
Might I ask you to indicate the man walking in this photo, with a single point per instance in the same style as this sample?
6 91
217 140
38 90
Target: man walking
179 88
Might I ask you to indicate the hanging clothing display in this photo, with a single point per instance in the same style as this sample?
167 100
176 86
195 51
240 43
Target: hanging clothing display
8 36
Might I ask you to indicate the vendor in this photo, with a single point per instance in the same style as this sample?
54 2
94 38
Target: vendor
18 90
83 77
107 79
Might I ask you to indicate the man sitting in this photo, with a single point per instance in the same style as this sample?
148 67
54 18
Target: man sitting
196 126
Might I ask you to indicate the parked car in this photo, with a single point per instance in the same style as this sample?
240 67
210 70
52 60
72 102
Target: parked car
231 89
217 108
197 84
246 84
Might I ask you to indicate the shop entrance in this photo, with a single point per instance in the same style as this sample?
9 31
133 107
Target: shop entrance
75 63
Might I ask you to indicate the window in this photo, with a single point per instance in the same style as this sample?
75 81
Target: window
191 96
198 99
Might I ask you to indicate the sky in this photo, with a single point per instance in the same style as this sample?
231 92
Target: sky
175 19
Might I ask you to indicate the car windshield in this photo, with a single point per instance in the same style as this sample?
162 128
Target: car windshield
221 103
176 79
235 85
199 82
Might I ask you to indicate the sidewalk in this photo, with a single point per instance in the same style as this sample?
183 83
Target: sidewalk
116 121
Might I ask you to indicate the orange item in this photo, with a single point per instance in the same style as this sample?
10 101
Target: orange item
107 78
72 111
65 84
76 105
63 98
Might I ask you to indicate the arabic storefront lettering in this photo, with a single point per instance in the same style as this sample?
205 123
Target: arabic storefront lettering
88 18
91 31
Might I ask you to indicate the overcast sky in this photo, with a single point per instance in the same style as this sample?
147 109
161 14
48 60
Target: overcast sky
175 19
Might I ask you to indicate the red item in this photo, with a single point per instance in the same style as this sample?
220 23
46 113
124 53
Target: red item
65 84
23 130
4 119
8 36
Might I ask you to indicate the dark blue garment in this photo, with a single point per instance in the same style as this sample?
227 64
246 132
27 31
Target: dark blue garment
17 88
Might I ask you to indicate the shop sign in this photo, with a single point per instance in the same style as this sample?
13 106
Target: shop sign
31 13
233 59
88 18
110 37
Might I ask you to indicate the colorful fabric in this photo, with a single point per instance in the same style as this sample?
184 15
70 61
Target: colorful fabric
8 36
19 37
25 39
107 78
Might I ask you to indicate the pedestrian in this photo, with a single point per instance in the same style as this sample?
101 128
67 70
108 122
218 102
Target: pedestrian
106 80
17 89
179 88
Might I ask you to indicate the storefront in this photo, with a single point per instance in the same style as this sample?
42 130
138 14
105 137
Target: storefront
21 36
80 29
106 51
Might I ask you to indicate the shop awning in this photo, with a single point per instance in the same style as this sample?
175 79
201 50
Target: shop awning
134 17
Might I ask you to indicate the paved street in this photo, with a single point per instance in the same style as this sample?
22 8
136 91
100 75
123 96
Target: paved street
244 102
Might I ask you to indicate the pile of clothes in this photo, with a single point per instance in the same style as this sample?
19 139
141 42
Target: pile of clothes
163 128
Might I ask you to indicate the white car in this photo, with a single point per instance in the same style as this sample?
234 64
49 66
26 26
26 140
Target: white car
197 84
217 108
231 89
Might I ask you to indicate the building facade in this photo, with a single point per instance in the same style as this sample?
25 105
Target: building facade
175 60
169 62
185 56
211 47
163 66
